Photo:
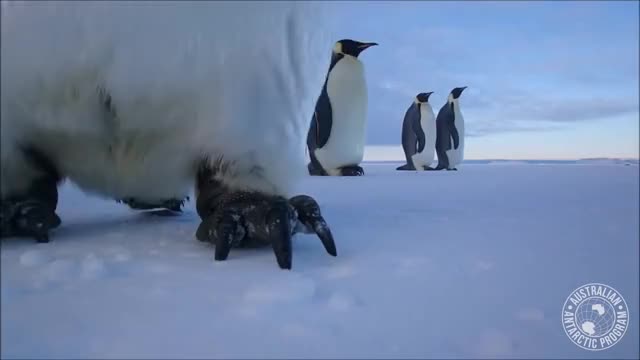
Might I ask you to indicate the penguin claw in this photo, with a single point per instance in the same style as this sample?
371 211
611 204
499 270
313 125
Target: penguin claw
311 221
246 219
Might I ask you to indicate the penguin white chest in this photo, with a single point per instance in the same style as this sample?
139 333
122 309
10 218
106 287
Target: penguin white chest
428 124
347 91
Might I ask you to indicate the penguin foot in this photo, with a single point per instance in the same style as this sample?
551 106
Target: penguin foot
452 169
353 170
29 218
427 168
174 205
405 167
251 219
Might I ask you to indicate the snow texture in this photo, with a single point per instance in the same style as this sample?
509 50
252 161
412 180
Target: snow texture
469 264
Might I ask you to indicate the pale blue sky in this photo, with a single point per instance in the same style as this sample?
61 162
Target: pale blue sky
546 80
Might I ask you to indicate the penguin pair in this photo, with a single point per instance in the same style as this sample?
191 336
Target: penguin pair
337 133
424 134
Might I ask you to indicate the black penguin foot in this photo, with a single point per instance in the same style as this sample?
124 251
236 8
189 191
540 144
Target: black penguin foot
351 170
174 205
405 167
315 171
452 169
29 218
427 168
251 219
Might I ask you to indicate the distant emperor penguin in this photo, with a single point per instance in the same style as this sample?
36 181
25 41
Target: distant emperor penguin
450 132
419 134
337 132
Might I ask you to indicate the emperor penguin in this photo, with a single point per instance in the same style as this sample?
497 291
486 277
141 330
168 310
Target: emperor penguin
131 110
336 136
419 134
450 132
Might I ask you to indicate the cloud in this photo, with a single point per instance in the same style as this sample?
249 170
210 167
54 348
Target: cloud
550 108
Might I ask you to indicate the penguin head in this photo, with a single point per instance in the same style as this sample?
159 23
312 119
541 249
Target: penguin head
423 97
351 47
455 93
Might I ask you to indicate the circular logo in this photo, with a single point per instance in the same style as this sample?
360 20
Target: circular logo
595 316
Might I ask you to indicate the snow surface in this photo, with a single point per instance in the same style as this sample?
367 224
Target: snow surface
473 263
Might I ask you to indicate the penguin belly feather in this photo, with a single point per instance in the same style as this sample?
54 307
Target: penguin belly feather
428 124
347 90
124 105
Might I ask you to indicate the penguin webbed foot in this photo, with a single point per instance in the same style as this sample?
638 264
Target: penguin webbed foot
351 170
28 218
252 219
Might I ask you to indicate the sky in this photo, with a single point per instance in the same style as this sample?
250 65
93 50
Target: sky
546 79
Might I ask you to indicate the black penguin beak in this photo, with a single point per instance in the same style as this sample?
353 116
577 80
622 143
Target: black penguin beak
429 94
367 45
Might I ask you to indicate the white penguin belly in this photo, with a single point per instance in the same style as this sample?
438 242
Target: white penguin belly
146 166
347 90
428 124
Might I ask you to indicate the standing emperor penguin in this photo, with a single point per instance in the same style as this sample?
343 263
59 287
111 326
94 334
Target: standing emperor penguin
450 132
130 109
337 133
419 134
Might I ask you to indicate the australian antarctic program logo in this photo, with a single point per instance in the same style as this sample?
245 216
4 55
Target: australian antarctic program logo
595 316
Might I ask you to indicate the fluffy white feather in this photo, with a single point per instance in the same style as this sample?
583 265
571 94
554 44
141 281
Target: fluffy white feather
236 80
428 124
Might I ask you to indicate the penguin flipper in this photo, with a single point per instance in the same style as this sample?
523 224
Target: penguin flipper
323 118
417 128
454 135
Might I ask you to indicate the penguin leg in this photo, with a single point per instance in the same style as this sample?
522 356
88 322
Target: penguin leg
31 213
247 219
351 170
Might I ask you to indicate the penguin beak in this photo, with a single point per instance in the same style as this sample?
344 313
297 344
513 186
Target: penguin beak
367 45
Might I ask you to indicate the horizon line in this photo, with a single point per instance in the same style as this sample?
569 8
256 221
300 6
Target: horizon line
395 153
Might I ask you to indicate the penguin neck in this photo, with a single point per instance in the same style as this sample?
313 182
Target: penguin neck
335 57
453 103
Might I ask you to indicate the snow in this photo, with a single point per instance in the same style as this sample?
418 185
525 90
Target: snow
469 264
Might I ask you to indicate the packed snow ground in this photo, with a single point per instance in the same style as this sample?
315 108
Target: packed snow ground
473 263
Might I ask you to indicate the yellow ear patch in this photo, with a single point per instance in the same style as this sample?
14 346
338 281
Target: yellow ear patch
337 48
